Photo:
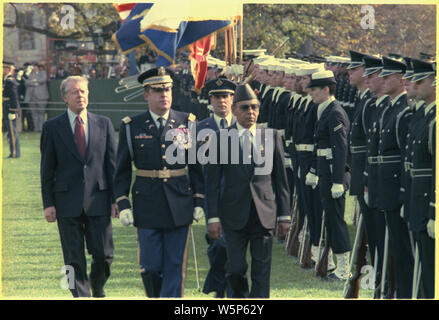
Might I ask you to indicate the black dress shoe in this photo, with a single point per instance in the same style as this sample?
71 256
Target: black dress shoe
98 293
334 277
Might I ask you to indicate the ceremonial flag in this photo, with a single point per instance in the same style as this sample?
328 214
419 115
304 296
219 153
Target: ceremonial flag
171 26
127 37
199 52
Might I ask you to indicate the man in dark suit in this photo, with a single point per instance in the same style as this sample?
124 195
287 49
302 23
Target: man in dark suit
220 93
255 195
78 153
166 196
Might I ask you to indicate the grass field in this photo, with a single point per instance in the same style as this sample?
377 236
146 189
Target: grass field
32 256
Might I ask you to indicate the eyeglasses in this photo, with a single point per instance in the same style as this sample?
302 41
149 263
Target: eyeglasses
245 107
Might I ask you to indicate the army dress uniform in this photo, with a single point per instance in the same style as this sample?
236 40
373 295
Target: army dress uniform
389 184
164 193
10 111
421 174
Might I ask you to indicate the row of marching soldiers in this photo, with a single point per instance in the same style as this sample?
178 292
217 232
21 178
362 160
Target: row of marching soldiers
374 138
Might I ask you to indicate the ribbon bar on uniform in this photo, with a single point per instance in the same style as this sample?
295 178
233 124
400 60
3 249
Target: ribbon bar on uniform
161 174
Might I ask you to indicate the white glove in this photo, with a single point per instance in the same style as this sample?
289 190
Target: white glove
337 190
198 213
401 212
288 142
430 228
288 163
28 70
126 217
311 180
12 116
20 75
366 198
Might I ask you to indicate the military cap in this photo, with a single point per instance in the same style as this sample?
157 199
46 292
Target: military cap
391 66
160 77
395 56
309 69
356 59
372 64
409 71
251 54
422 69
220 86
321 79
244 94
8 64
426 56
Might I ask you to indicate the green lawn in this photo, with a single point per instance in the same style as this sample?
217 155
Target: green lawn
32 257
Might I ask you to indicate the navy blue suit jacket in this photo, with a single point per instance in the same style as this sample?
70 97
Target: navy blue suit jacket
70 183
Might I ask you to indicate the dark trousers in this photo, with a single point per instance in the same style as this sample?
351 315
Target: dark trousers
310 199
261 241
161 253
336 227
13 138
97 232
426 246
375 224
401 251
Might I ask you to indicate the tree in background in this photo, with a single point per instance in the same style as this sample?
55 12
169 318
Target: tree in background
334 29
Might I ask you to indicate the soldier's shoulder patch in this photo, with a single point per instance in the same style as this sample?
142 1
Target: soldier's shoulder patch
126 120
192 117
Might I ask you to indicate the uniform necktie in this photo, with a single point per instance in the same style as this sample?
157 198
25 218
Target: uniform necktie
161 121
223 124
80 136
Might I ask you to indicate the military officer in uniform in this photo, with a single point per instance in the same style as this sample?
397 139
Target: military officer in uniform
10 108
389 175
329 173
164 193
421 174
220 93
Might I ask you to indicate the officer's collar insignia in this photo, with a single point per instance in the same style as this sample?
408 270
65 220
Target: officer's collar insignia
219 83
161 71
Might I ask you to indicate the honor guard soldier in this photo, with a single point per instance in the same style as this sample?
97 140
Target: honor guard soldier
373 66
10 108
220 93
329 172
357 144
418 106
422 178
389 175
166 188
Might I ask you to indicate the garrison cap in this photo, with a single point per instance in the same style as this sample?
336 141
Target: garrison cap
372 64
220 86
391 66
160 77
322 79
244 94
422 69
356 59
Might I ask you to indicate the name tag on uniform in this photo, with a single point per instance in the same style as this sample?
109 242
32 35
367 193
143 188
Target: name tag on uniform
142 136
